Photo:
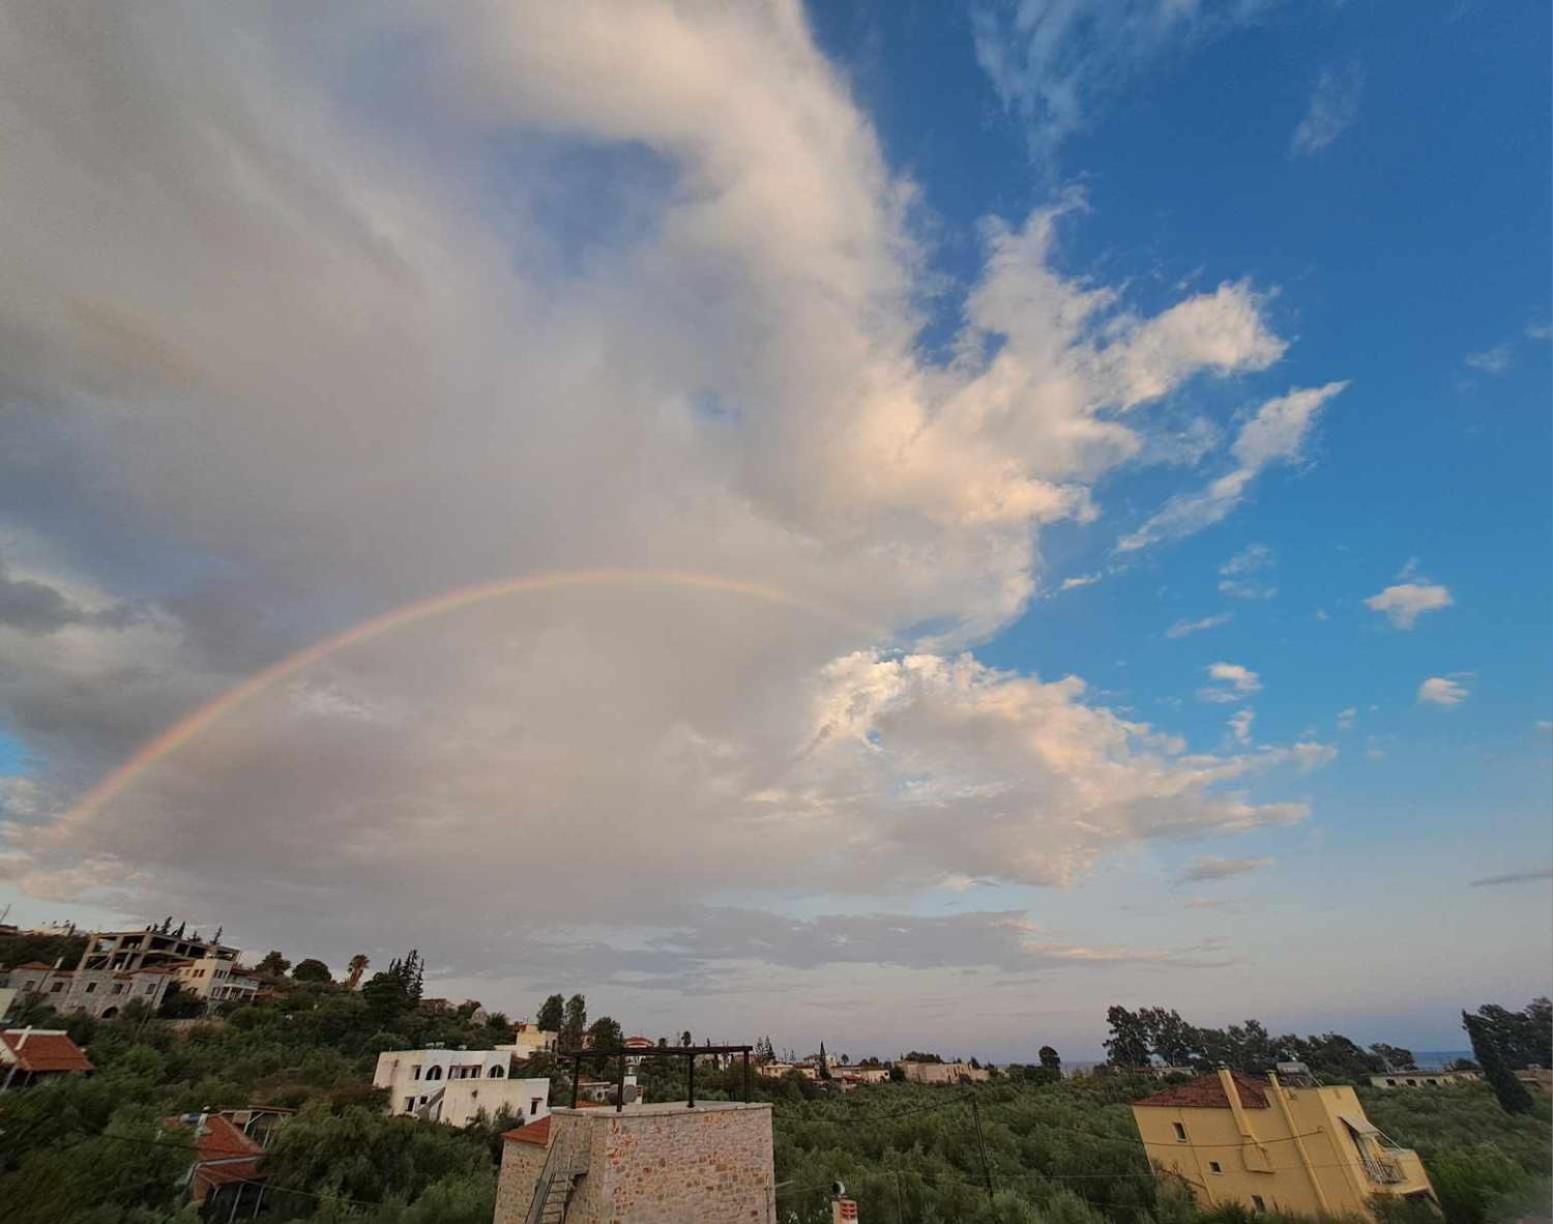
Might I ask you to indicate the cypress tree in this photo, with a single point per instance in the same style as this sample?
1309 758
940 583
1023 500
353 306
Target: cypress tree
1512 1094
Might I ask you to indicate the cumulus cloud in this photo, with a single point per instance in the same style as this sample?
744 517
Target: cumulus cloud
1276 434
1184 628
1210 867
1346 718
1231 682
518 307
1442 690
1404 602
1240 725
1334 105
1247 575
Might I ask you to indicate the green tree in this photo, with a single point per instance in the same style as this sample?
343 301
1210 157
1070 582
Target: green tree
1511 1093
1524 1038
552 1012
1396 1058
311 970
824 1063
1050 1059
684 1038
358 966
574 1023
1128 1044
273 964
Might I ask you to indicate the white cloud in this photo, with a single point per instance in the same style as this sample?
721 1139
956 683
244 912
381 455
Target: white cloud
1056 63
1182 628
1240 726
1441 690
1211 867
1539 331
1494 360
1334 105
1246 574
1404 602
1346 718
1079 580
1235 681
1275 434
635 339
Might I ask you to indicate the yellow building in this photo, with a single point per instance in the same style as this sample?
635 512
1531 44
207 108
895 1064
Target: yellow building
1301 1147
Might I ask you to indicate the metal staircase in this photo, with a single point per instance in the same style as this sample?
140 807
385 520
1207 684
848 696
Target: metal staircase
565 1167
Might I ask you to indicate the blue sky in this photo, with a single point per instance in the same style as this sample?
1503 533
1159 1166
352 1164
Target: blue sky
1114 439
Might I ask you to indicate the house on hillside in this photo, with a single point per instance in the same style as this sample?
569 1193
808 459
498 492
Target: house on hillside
226 1180
1424 1079
216 979
658 1162
1302 1148
30 1056
529 1039
942 1072
456 1086
98 992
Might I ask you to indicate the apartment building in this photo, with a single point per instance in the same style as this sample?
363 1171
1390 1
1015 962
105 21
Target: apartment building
456 1086
1301 1148
529 1039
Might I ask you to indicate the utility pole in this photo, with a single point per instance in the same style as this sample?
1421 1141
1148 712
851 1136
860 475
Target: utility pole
981 1144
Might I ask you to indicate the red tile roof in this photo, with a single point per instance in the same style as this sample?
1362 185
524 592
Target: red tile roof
534 1132
37 965
45 1051
223 1154
1206 1092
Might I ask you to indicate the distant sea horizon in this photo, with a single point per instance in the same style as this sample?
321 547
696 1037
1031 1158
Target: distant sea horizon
1425 1060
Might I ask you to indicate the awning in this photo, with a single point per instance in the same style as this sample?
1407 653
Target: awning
1360 1126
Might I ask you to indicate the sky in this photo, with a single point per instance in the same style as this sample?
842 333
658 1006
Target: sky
893 523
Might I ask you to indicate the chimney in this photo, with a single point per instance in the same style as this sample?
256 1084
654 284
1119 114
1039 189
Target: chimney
841 1210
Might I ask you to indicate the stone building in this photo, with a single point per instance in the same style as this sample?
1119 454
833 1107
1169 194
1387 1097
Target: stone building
644 1164
97 992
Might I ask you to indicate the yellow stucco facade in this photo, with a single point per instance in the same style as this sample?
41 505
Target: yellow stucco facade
1271 1147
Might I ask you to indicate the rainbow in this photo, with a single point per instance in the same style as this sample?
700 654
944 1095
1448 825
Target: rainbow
194 725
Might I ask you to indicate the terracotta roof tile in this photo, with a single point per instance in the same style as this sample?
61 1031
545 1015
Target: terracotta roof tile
45 1051
1206 1092
534 1132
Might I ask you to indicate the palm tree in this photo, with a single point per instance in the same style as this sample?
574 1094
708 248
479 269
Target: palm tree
358 966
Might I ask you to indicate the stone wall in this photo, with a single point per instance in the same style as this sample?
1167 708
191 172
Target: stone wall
520 1167
654 1164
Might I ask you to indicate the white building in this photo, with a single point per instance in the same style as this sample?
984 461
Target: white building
215 978
1423 1079
456 1086
942 1073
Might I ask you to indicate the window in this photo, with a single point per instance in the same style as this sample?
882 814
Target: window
409 1104
150 988
56 987
496 1073
415 1071
1391 1083
91 987
533 1106
1180 1132
423 1100
118 988
433 1073
1215 1167
1258 1204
